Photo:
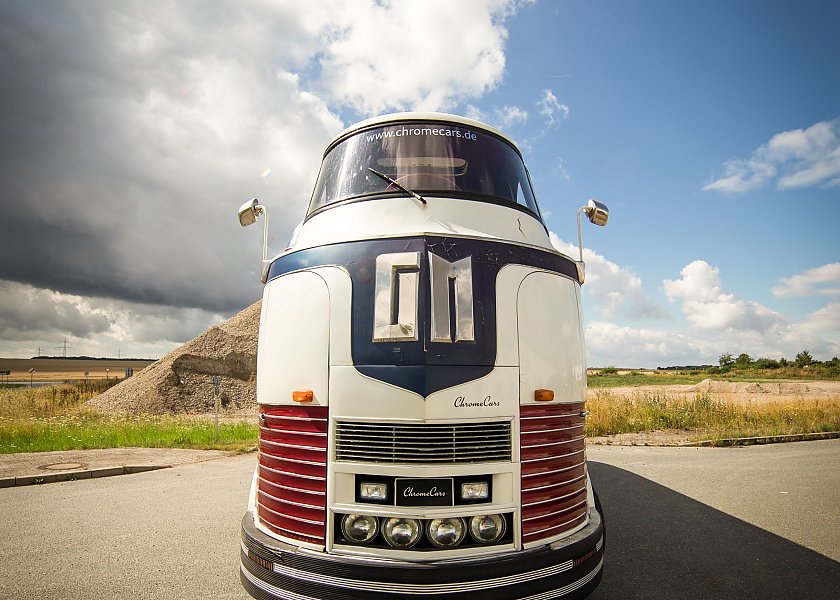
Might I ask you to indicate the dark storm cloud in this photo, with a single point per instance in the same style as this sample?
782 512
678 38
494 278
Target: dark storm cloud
129 134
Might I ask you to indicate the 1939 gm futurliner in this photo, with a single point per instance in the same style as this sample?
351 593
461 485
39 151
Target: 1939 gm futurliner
421 381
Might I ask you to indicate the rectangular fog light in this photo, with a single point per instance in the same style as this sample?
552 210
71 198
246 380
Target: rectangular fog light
475 490
373 491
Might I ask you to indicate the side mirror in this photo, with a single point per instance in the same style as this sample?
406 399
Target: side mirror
248 215
598 214
250 212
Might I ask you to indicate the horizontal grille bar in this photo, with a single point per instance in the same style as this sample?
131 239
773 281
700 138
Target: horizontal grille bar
553 470
423 442
292 469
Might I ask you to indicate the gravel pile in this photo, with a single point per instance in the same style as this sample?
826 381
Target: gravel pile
182 381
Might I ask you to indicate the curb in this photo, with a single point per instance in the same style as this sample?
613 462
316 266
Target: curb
7 482
767 439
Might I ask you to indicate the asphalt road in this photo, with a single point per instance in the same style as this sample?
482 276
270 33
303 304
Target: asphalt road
756 522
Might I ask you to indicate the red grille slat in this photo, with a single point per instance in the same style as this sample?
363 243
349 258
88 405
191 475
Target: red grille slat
553 465
292 472
298 495
291 466
291 508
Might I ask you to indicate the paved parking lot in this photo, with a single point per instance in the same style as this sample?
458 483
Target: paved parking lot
756 522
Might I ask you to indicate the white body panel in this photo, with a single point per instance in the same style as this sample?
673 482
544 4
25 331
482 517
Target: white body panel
294 345
396 217
551 354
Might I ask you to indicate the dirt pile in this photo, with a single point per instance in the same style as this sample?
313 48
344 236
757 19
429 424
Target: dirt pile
182 381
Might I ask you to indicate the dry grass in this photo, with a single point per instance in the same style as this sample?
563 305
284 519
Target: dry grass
707 417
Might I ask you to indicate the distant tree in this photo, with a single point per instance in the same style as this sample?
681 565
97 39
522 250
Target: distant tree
766 363
804 359
743 360
783 362
726 359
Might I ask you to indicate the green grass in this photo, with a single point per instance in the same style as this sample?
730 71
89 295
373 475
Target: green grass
705 417
55 418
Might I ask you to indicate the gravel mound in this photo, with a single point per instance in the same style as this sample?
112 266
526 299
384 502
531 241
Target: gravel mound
182 381
748 387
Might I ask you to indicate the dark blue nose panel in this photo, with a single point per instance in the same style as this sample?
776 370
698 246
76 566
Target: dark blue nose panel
424 366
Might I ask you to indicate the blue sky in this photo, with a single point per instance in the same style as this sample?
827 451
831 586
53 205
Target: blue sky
131 132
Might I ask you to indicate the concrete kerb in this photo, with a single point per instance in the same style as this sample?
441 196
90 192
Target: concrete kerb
52 467
766 439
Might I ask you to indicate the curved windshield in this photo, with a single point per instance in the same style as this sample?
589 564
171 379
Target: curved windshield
427 158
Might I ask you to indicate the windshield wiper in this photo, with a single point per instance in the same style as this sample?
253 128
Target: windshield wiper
397 185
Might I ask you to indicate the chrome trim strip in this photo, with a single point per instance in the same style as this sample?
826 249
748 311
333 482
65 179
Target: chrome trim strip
544 431
554 416
293 518
545 458
292 489
290 417
569 495
282 445
422 589
560 443
567 589
293 431
291 503
270 589
291 474
299 461
554 485
551 514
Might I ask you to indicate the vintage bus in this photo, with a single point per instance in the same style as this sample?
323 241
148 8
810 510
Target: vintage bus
421 381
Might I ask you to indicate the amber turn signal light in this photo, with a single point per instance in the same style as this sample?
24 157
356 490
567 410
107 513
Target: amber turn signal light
302 396
543 395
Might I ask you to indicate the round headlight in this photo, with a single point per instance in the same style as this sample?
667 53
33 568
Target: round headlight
446 533
487 529
359 529
400 532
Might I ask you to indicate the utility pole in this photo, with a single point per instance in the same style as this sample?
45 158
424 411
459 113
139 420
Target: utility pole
63 347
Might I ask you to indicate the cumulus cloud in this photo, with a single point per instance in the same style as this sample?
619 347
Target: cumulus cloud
708 308
819 281
401 55
792 159
614 290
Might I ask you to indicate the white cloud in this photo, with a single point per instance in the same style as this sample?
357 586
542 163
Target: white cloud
429 55
551 108
794 159
819 281
508 116
612 344
708 308
32 318
614 290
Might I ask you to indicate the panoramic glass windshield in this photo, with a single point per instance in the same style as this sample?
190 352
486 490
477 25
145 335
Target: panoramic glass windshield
428 158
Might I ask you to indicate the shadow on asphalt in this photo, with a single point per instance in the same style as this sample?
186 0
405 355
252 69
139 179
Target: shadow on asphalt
661 544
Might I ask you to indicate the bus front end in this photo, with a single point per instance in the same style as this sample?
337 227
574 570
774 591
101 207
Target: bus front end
421 382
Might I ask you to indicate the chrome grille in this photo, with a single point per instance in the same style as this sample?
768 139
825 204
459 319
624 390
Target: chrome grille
423 442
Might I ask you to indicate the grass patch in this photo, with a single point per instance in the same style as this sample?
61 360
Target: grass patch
610 376
55 418
707 417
